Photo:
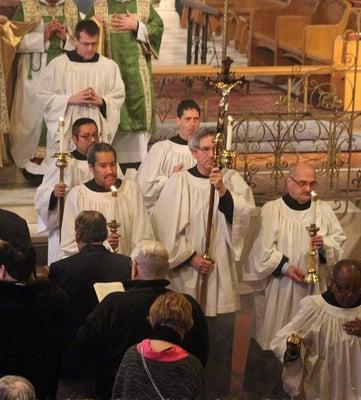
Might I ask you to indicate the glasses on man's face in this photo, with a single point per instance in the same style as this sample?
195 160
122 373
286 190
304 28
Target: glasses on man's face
206 150
302 184
88 44
348 288
89 138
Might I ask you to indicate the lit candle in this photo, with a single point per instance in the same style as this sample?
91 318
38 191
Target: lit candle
313 207
229 133
61 134
115 198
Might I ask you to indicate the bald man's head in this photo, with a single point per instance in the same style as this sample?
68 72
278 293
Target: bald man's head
346 282
301 181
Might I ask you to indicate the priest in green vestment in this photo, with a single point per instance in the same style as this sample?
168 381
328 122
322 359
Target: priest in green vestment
11 34
55 23
132 32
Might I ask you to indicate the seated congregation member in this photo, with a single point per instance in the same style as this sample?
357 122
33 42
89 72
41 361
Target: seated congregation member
81 83
322 358
14 387
169 156
159 367
32 317
121 319
13 227
77 274
84 134
127 208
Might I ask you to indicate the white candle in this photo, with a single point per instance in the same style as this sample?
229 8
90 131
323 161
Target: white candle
115 202
61 134
313 207
229 133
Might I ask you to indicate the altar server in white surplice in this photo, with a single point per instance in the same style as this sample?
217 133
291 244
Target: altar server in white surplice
322 358
180 219
84 134
169 156
279 256
127 208
82 83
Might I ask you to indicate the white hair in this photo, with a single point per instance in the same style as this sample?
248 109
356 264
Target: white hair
14 387
152 258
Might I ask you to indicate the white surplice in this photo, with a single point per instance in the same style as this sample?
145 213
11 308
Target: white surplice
62 79
330 362
76 173
158 166
283 232
128 209
180 220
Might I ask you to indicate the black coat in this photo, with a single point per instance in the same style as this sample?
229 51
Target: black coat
76 275
13 227
31 329
121 320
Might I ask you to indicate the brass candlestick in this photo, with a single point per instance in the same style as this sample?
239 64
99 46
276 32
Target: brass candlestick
312 277
61 162
113 226
222 158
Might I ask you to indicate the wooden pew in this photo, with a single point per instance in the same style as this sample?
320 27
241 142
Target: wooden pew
263 45
315 41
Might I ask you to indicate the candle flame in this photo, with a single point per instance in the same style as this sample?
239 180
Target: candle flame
230 119
314 196
114 191
61 121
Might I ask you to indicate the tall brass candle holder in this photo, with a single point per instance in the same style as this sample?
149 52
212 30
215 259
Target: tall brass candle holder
61 162
312 277
113 225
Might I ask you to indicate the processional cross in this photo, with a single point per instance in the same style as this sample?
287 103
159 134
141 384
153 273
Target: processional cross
223 84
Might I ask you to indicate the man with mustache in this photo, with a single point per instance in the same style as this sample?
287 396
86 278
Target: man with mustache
56 23
84 134
321 360
128 208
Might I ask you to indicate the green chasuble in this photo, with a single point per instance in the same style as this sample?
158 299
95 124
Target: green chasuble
66 12
134 60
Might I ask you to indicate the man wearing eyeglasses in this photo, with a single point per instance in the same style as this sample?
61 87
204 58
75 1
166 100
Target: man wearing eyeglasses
321 360
82 83
84 134
279 256
180 223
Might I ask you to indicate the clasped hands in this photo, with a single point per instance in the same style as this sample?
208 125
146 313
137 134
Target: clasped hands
86 96
124 22
54 28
